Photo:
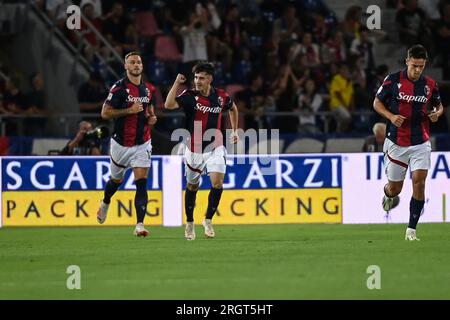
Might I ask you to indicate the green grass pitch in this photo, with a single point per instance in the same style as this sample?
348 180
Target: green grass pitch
243 262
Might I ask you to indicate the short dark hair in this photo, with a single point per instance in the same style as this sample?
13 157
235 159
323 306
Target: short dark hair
417 52
203 66
132 53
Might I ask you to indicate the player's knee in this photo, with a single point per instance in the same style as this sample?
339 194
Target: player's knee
192 187
419 185
117 181
217 184
394 189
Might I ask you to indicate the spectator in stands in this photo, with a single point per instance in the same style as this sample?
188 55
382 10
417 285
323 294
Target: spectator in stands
82 146
253 101
411 22
14 101
57 10
334 49
115 27
443 35
375 142
194 41
243 67
92 43
288 26
310 50
284 92
381 73
309 102
363 47
2 108
319 29
35 99
230 30
352 24
91 94
36 105
362 98
97 7
342 98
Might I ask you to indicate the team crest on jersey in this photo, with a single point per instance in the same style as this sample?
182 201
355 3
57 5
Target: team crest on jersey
220 100
427 90
147 91
399 85
128 90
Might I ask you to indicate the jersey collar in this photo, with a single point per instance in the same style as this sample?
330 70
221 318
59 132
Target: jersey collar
137 85
405 76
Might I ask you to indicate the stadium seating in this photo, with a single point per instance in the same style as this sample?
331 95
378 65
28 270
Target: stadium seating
166 49
264 147
147 25
344 145
305 145
232 89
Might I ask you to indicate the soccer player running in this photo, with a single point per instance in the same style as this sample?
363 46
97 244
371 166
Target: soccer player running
203 106
409 101
130 104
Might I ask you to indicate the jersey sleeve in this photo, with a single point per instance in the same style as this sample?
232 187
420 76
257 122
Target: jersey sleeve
185 100
435 99
228 102
384 93
115 96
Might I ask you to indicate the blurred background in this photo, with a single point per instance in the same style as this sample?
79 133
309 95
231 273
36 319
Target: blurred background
282 61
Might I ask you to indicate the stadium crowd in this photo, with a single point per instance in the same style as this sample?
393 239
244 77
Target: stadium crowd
294 57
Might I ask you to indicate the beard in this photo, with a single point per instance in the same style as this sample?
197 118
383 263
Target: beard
136 73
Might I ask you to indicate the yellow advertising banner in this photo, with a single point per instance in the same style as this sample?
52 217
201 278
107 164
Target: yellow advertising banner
273 206
75 208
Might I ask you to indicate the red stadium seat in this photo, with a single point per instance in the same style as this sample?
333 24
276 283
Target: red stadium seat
147 24
232 89
166 49
159 99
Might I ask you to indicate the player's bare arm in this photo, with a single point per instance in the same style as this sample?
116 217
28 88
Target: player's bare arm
108 112
152 116
396 119
436 113
234 117
171 103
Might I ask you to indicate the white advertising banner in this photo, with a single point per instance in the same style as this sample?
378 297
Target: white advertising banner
362 188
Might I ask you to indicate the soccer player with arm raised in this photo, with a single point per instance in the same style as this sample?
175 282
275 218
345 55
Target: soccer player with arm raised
204 106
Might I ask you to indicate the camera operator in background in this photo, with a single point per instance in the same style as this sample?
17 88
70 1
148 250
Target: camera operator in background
85 142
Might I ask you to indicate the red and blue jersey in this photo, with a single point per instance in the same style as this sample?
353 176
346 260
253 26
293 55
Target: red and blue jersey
202 115
132 129
412 99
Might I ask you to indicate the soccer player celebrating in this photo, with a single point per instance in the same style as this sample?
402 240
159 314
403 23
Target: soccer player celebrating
130 104
409 101
203 106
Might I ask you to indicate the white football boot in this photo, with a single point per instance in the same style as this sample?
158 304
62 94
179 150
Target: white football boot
189 231
102 212
411 235
140 231
209 230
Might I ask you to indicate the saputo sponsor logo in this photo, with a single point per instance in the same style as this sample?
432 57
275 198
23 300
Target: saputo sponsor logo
409 98
138 99
205 109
